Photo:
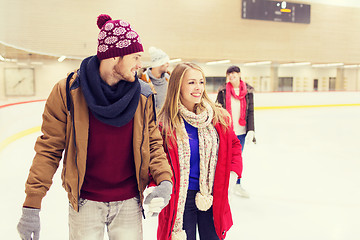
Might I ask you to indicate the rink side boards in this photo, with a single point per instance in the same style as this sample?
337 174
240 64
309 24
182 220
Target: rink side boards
19 135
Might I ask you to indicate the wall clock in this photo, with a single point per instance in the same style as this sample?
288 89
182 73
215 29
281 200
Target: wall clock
19 82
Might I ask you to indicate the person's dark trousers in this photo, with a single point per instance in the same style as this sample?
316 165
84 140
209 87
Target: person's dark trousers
193 216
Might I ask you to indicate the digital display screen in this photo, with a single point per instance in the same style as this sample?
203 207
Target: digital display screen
278 11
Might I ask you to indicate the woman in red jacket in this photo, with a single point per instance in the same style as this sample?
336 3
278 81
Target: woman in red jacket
204 154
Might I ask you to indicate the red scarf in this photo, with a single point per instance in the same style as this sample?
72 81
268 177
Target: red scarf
231 92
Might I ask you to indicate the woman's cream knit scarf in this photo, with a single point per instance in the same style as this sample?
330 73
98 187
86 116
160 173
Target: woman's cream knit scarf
208 149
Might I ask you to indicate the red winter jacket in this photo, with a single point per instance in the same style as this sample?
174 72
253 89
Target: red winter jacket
229 159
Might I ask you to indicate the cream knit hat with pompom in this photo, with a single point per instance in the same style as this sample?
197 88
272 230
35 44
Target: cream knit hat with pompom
158 57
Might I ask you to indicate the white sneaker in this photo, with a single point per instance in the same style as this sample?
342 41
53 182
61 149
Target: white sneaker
240 191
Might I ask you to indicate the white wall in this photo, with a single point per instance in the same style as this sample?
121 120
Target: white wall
50 72
352 79
46 75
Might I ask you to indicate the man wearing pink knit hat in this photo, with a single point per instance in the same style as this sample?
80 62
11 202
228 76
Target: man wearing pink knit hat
103 119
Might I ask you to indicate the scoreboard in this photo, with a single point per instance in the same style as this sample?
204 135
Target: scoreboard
278 11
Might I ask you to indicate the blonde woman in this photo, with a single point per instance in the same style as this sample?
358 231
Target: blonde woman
204 154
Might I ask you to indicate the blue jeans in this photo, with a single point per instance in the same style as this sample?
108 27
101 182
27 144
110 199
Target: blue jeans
242 142
193 216
121 218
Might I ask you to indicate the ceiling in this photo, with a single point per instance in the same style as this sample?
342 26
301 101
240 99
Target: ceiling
9 53
344 3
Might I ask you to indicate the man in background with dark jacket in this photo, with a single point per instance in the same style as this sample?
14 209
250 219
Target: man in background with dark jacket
237 98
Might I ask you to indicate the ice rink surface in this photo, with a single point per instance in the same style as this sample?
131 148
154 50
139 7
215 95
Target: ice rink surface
302 176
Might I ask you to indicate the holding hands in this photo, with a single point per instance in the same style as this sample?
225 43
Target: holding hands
158 198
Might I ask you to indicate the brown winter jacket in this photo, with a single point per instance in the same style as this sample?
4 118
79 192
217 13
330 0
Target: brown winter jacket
63 130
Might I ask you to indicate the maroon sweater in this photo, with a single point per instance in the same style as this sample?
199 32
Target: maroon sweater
110 168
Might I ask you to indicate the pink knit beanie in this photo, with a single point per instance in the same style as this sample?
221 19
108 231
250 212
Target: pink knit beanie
116 38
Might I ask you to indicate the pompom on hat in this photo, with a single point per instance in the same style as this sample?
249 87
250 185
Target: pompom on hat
158 57
116 38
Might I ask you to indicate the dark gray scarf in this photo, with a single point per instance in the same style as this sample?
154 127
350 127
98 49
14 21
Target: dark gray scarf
113 105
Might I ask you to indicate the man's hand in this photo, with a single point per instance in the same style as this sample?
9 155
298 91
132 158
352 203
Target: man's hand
250 137
159 197
29 224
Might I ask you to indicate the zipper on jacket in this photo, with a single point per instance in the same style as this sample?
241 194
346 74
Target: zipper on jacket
141 156
76 163
174 186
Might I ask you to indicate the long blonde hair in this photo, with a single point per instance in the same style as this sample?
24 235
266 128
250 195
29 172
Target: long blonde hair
169 116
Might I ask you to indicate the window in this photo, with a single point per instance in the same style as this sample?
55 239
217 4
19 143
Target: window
316 84
332 82
214 83
285 84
